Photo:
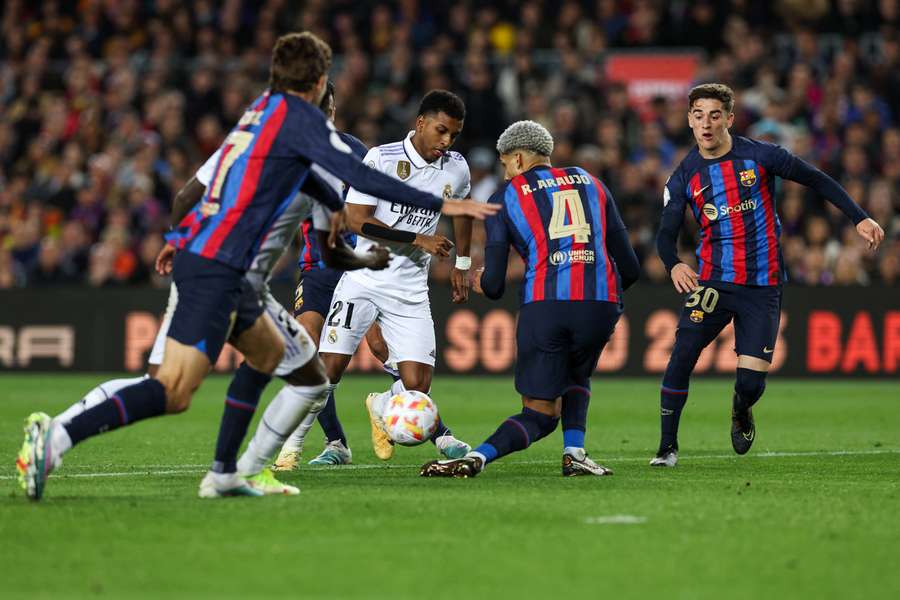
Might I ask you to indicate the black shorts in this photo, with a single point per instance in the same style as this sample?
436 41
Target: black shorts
208 297
250 308
756 311
559 343
314 291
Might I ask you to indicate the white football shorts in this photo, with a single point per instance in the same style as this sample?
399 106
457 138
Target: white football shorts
408 329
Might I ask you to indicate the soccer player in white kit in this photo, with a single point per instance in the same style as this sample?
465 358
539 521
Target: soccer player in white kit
397 297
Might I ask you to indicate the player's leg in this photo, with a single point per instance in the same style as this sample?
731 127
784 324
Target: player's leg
257 337
310 309
705 313
304 393
109 388
541 376
592 325
379 349
756 323
208 297
408 332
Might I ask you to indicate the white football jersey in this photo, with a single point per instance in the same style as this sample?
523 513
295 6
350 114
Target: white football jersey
406 277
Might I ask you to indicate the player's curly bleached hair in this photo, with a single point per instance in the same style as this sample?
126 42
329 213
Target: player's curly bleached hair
526 135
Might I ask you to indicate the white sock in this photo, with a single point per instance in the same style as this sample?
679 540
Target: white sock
286 411
101 393
60 442
295 441
397 387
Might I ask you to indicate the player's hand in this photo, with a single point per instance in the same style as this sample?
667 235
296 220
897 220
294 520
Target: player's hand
436 245
377 258
476 281
684 278
469 208
164 259
459 283
338 226
871 232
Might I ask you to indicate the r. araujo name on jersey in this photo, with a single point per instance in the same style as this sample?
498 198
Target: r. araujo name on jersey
732 198
558 220
406 277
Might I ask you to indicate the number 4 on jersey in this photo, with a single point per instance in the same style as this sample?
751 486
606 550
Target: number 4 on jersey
568 203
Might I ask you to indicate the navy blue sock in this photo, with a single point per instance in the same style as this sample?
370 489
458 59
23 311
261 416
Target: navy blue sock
750 386
129 405
671 403
240 403
330 423
575 403
517 433
440 429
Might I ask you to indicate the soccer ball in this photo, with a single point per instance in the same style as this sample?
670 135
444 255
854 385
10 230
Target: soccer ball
410 418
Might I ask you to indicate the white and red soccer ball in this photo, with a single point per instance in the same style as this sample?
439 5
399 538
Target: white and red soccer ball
410 418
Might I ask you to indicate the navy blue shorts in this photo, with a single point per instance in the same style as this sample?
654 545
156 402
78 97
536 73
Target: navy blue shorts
314 291
559 343
208 297
756 311
250 308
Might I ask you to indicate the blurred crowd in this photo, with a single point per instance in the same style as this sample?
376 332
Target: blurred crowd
107 107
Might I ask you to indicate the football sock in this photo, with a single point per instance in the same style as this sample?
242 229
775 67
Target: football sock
330 423
672 397
391 370
292 406
241 399
517 433
750 386
131 404
96 396
574 415
295 441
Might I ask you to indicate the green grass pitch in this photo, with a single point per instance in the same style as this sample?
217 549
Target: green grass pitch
812 511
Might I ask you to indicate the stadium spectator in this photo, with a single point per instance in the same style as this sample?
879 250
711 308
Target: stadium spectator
106 108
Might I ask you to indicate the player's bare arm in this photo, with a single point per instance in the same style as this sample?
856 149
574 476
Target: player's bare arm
342 257
361 220
184 201
459 275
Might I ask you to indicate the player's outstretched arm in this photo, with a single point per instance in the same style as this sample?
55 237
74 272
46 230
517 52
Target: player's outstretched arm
684 278
791 166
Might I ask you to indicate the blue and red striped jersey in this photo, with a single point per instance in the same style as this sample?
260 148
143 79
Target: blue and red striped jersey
558 221
733 200
263 162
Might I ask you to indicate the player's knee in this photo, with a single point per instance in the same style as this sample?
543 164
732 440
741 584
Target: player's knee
420 382
750 385
310 374
265 359
684 355
178 398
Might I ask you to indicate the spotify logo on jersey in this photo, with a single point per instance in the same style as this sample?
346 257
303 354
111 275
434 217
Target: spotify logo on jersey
711 212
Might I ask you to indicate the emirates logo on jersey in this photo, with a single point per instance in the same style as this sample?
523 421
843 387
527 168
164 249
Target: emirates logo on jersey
403 169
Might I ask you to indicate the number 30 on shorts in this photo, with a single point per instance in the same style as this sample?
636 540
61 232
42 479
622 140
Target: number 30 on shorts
706 297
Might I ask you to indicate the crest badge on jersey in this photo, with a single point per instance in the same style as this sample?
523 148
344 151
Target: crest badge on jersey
448 192
697 316
208 209
332 336
748 178
403 169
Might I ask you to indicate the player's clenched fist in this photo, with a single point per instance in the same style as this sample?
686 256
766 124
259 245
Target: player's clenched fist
436 245
684 278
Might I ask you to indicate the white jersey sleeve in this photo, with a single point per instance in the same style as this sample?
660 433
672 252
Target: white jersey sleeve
205 173
372 160
465 185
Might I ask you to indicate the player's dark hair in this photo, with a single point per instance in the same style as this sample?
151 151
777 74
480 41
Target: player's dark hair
437 101
298 61
327 97
714 91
